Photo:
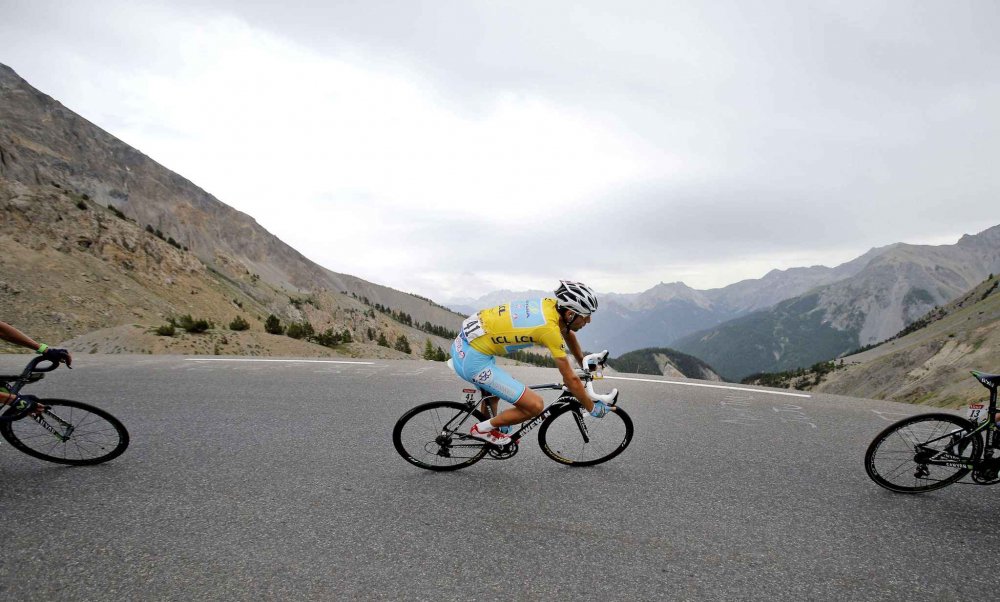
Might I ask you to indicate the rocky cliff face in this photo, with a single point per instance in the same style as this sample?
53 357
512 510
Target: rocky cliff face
52 160
895 288
930 364
906 282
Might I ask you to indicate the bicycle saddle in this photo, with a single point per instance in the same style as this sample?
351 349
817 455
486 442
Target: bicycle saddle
990 381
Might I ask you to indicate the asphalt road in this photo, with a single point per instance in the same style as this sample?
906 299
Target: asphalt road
278 480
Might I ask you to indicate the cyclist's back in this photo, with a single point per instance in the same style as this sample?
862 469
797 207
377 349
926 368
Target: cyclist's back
516 325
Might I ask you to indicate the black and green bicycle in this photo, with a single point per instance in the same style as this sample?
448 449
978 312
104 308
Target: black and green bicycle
435 435
930 451
59 430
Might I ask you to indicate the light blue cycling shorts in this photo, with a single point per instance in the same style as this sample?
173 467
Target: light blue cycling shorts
482 370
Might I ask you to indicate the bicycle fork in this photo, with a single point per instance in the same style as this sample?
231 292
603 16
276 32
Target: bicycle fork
64 436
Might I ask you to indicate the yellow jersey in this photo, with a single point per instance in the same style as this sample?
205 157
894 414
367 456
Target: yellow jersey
516 325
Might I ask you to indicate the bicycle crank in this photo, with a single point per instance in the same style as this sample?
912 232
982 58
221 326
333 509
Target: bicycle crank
502 453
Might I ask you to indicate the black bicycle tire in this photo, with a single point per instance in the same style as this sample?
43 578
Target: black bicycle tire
553 454
7 431
397 432
873 448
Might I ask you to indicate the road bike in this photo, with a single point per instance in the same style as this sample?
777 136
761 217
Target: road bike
931 451
436 436
62 431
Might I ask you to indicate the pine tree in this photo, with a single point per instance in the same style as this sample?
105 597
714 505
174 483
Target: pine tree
382 341
402 344
429 350
273 325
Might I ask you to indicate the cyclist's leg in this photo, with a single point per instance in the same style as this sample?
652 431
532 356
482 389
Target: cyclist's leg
527 406
489 403
482 370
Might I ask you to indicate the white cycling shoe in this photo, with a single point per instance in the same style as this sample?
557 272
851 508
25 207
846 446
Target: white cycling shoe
493 436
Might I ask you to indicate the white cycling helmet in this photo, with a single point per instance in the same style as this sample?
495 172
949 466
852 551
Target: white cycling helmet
577 297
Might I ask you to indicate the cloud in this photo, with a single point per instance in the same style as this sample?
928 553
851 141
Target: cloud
463 146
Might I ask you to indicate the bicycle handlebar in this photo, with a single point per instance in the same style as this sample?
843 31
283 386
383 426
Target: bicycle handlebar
588 378
33 366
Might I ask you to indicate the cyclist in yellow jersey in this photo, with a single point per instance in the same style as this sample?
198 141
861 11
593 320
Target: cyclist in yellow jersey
548 322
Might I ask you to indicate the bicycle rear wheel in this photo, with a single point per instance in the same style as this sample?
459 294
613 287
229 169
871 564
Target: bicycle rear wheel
68 432
898 458
569 437
435 436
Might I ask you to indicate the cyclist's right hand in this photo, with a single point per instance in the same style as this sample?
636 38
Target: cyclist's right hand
600 409
58 355
21 405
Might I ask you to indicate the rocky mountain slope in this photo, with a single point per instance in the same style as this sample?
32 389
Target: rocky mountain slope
928 362
895 287
96 235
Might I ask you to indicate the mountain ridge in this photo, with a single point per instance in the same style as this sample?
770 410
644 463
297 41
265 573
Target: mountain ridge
895 287
928 362
56 168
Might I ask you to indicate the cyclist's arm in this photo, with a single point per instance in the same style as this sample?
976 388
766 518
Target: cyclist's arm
573 382
574 347
13 335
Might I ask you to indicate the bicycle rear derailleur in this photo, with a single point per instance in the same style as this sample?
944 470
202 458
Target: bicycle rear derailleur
502 453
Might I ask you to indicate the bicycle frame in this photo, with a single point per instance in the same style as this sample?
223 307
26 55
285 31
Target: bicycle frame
564 400
991 441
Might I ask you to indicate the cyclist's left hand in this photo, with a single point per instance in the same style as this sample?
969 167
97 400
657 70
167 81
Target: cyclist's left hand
600 409
58 355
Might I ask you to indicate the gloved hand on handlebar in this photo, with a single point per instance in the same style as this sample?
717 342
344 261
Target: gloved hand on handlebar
600 409
56 355
595 362
19 406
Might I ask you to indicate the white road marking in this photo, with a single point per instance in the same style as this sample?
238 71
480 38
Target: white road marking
226 359
675 382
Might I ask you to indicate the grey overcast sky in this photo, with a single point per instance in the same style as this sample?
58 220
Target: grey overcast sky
451 148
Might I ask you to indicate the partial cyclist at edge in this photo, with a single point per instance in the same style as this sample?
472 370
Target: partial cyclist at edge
505 329
15 336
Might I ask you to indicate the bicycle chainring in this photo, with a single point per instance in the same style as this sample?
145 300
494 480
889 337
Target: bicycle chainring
502 453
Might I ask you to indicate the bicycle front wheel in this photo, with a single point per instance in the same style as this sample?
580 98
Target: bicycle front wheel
571 436
68 432
435 436
908 456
